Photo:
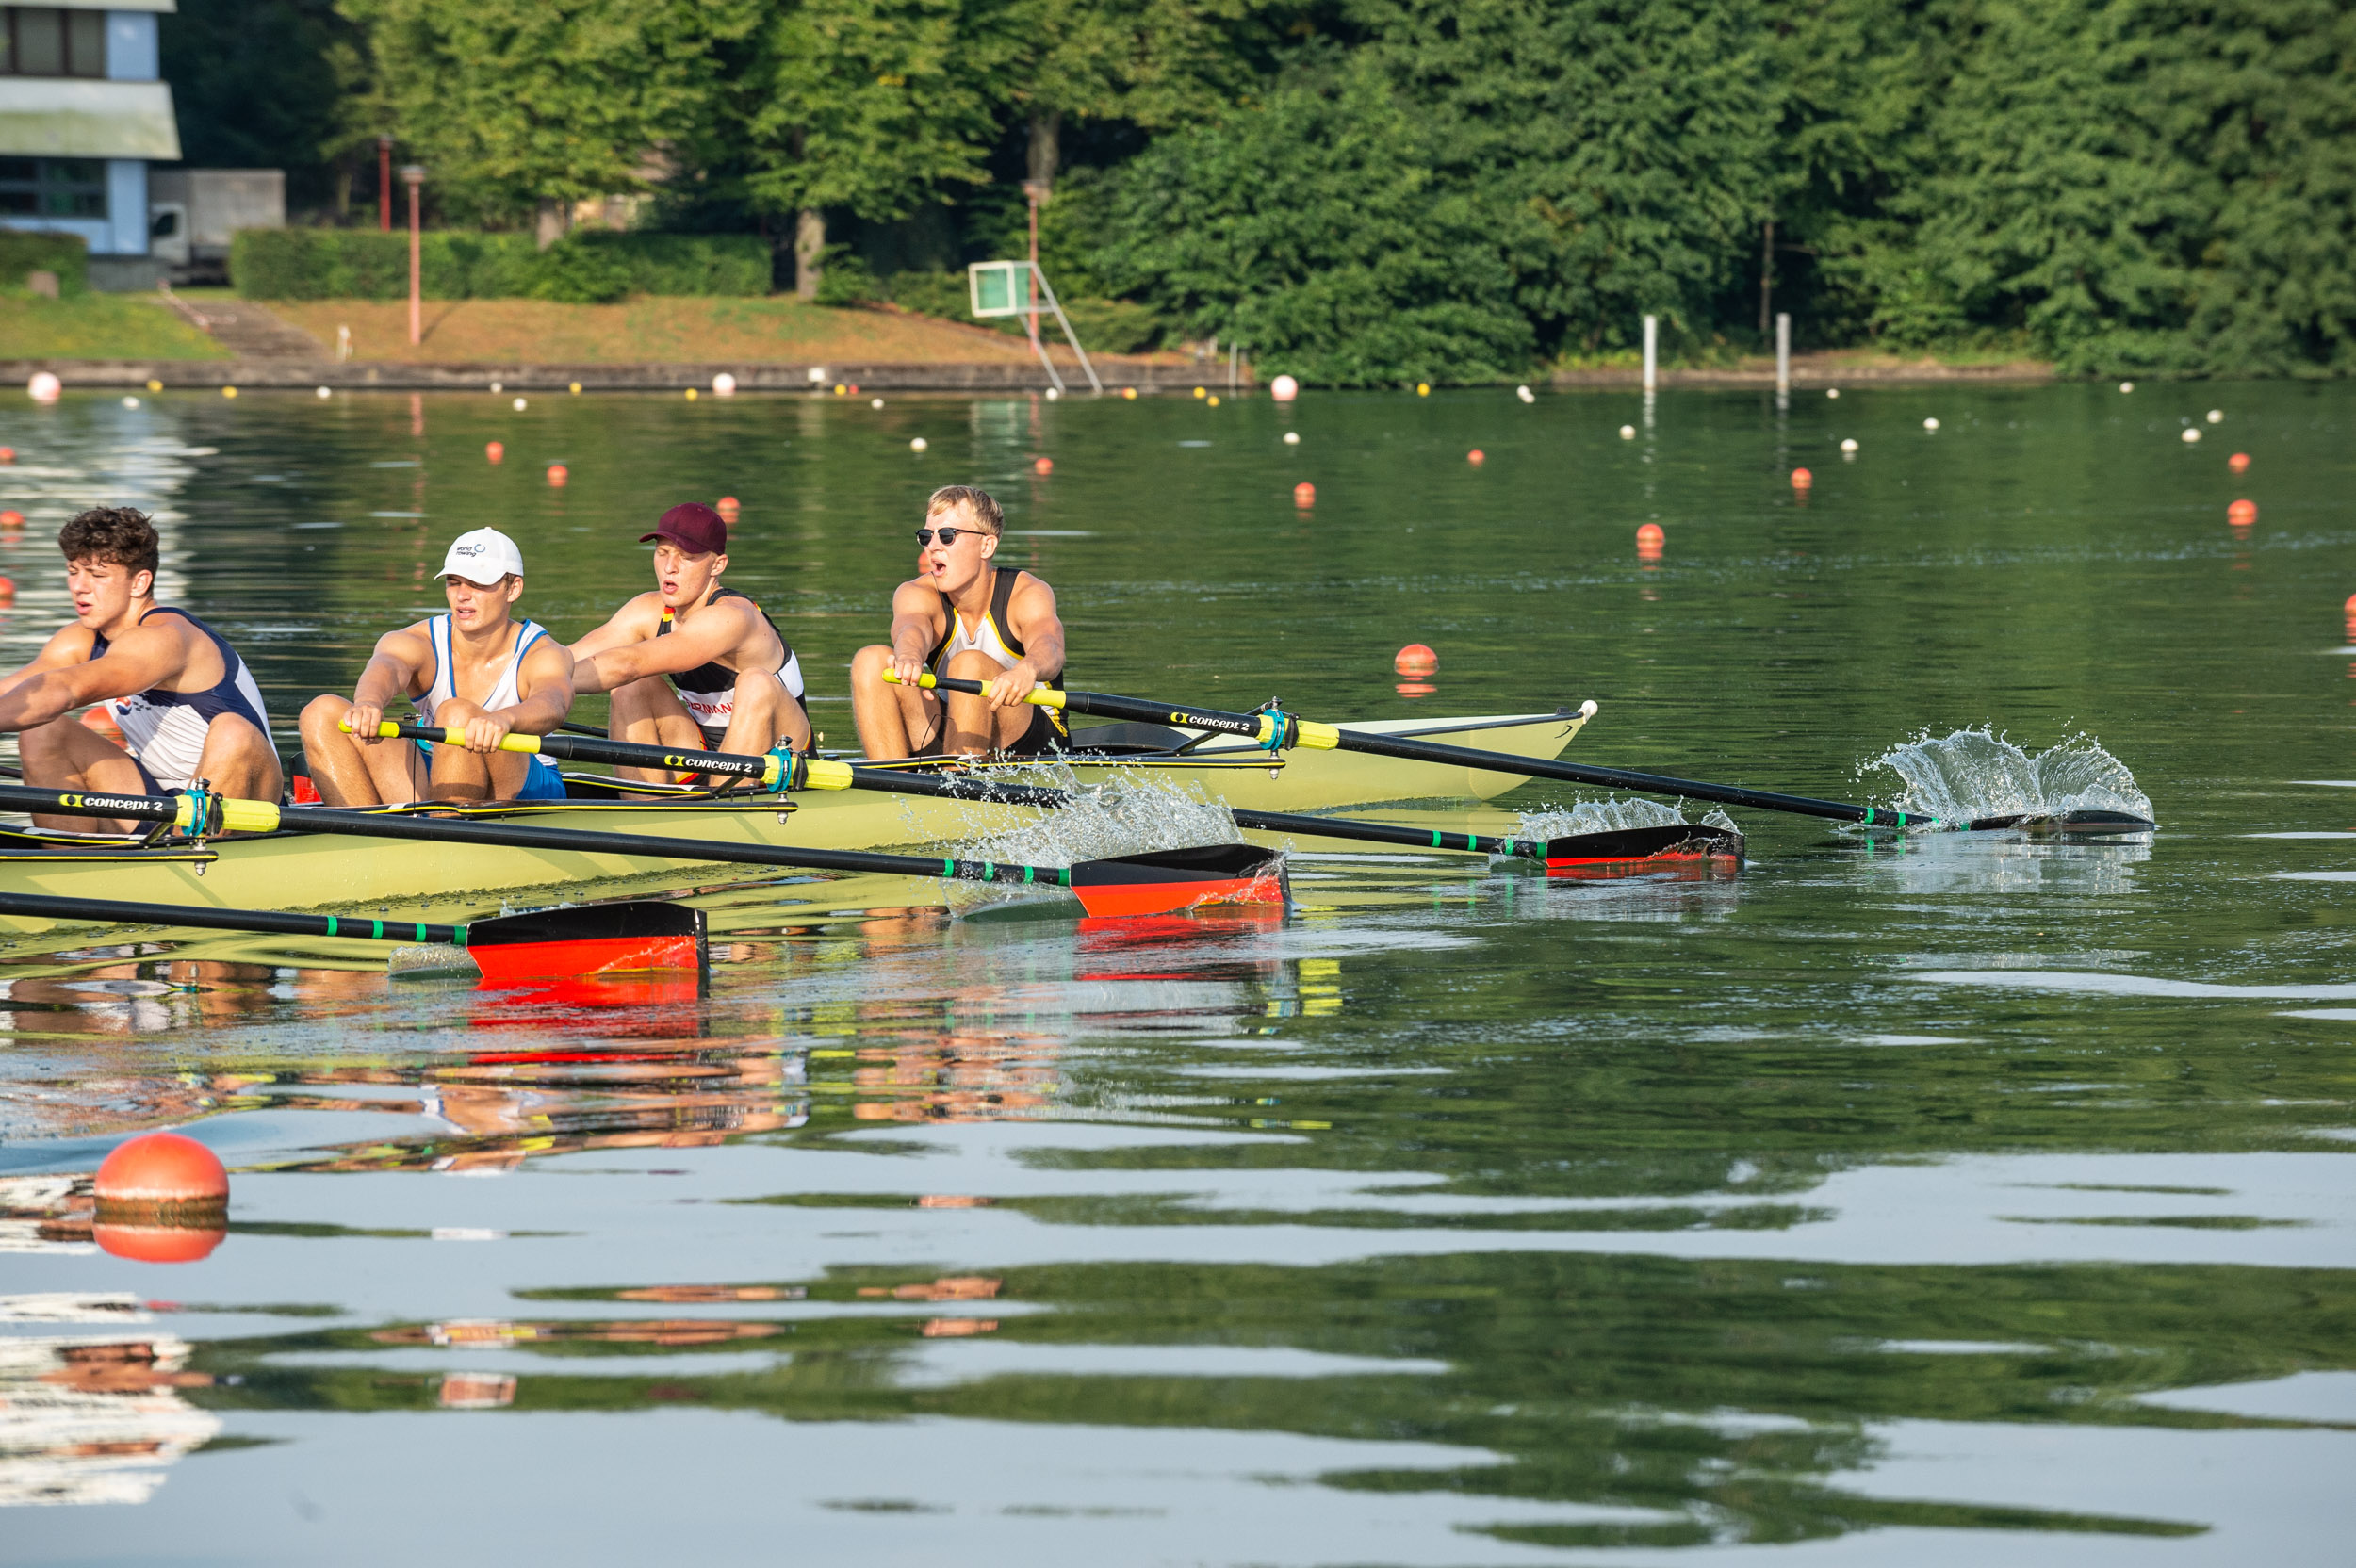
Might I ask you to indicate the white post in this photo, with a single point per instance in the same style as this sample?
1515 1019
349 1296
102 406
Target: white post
1652 351
1783 355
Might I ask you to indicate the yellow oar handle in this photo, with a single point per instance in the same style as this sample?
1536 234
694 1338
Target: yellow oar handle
813 772
512 741
1276 730
1045 697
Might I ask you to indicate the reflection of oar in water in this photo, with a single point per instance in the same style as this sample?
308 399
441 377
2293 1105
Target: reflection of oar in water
1276 730
642 933
1576 855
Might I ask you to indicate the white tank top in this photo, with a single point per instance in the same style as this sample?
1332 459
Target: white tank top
502 689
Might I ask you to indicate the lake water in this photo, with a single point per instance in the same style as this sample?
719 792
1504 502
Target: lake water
1939 1201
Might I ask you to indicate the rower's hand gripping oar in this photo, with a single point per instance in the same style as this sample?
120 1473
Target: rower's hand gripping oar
1673 845
1275 730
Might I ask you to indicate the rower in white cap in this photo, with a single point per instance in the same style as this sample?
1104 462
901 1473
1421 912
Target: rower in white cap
477 669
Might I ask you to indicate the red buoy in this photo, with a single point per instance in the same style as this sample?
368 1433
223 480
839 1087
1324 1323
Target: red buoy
8 591
1475 457
2242 513
11 519
1802 478
1649 540
1304 493
159 1243
160 1173
7 454
557 475
2239 462
1042 464
1415 659
495 450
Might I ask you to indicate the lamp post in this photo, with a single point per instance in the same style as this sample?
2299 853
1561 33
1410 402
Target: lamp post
412 174
385 183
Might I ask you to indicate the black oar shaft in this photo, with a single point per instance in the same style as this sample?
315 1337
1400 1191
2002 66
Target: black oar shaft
118 912
1105 705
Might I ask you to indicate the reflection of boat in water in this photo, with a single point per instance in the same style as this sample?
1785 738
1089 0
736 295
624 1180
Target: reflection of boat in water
93 1418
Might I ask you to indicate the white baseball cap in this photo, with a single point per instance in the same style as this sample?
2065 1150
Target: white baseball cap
482 557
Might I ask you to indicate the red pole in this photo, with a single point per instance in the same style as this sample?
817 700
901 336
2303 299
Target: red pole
385 183
415 177
1030 285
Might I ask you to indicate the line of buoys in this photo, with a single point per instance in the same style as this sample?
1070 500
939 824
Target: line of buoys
1802 478
495 450
1304 495
1650 540
2239 462
557 474
1042 466
2242 513
1284 389
2192 433
1475 457
44 387
1416 659
162 1197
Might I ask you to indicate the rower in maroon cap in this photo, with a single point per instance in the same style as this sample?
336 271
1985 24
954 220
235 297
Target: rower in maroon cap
694 665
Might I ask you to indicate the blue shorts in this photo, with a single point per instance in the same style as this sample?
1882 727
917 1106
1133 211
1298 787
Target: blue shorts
541 779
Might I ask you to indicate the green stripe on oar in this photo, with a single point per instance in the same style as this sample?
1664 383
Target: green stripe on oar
1276 729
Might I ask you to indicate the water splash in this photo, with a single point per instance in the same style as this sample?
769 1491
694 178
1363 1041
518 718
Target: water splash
1977 773
1608 815
1127 814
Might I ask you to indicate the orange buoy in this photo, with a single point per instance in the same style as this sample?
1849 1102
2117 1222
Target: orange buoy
1042 464
2351 607
1475 457
8 591
728 507
11 519
558 475
1802 478
2239 462
1417 660
156 1176
7 454
496 451
159 1243
1304 493
1650 540
103 721
2242 513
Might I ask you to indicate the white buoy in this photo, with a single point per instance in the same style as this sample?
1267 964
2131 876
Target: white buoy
130 402
1930 424
522 406
2126 386
2191 434
1849 446
497 389
1832 391
724 386
1053 394
917 444
876 403
1284 389
1627 432
1525 394
44 387
324 393
2216 416
1292 438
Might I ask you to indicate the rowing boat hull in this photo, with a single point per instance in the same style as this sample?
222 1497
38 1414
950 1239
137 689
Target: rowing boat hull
349 872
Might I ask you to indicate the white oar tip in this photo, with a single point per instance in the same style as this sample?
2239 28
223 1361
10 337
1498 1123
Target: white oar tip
1587 710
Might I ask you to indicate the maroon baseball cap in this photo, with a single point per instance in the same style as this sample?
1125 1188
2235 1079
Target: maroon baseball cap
692 526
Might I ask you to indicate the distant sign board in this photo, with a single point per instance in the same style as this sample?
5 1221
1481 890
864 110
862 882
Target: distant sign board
1002 288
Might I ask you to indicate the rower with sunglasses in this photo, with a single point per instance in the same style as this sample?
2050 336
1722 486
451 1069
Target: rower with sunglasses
693 665
966 617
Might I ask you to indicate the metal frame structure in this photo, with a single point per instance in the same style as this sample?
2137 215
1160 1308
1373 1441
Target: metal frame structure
1006 297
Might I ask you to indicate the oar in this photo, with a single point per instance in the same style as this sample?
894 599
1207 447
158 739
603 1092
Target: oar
1276 730
589 938
1125 885
1577 855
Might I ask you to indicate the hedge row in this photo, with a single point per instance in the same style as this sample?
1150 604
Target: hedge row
586 268
62 253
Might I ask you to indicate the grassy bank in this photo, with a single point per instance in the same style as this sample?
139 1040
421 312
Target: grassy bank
98 326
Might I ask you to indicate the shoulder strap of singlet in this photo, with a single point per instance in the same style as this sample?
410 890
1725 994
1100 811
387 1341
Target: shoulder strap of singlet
1000 596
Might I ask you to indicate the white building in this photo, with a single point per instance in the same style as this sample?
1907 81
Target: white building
83 111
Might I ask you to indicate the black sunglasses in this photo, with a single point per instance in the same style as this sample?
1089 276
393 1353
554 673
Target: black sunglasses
948 535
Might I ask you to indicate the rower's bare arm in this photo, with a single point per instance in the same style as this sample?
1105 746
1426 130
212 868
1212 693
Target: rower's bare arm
632 624
916 629
70 646
718 631
1031 615
545 687
51 687
396 669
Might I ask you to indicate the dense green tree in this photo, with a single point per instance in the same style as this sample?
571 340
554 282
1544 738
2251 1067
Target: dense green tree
269 84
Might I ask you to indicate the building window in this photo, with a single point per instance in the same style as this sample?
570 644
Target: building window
52 188
47 41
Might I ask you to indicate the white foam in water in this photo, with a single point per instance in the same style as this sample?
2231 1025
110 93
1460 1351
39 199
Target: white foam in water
1608 815
1129 814
1975 772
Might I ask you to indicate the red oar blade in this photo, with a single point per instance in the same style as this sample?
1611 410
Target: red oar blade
1684 849
589 938
1168 880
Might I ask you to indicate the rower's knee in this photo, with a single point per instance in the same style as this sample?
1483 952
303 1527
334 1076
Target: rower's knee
869 663
323 720
972 665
